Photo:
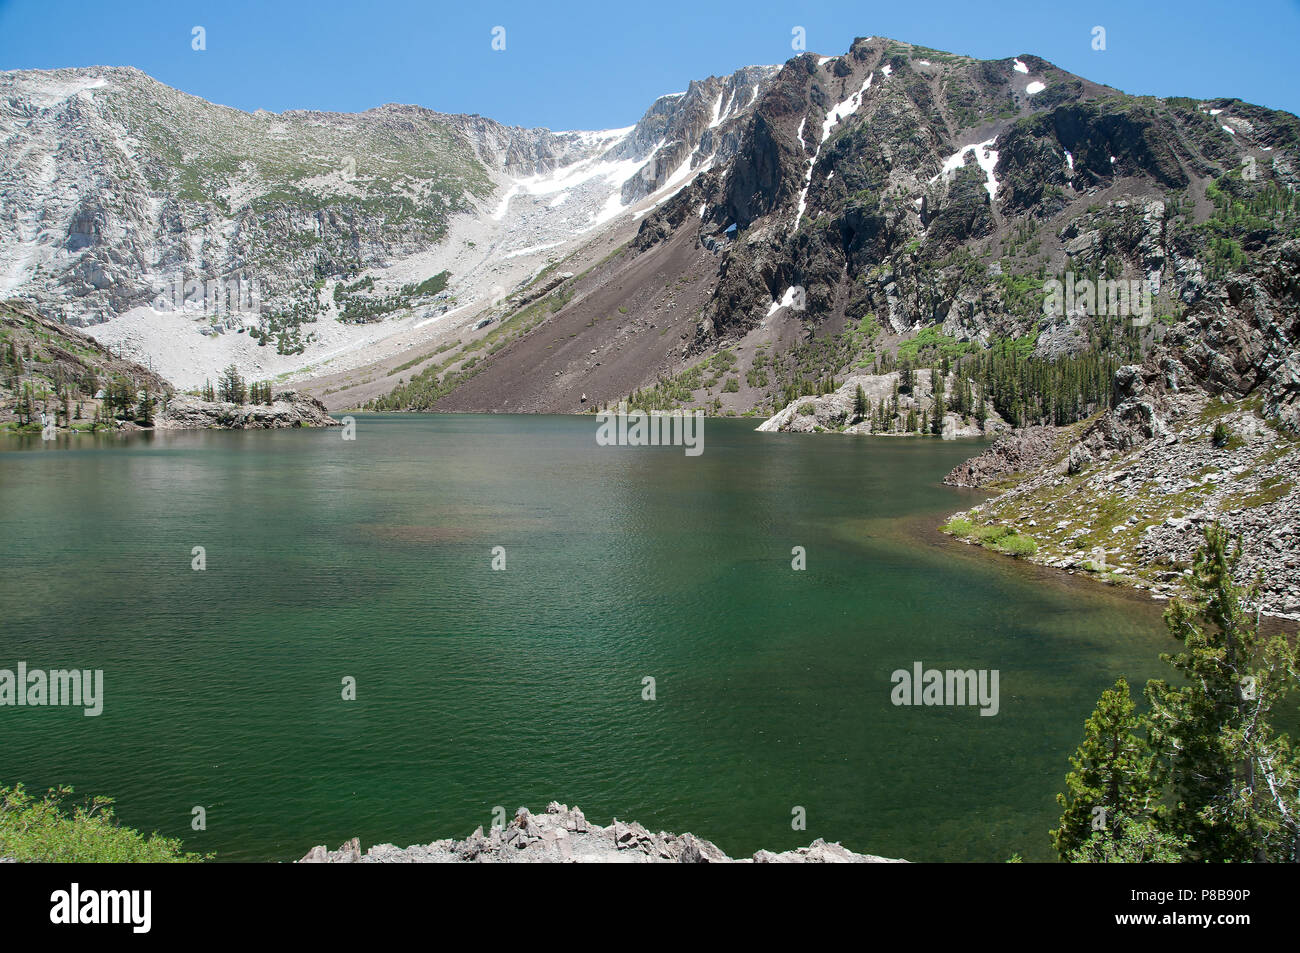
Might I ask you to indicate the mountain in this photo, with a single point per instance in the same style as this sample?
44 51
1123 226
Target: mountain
124 198
899 203
975 244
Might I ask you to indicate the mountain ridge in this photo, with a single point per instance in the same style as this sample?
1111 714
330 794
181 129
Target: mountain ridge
303 201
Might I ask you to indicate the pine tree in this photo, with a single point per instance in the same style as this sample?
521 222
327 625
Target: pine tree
26 410
231 388
1236 782
859 404
1213 781
144 413
1113 778
936 419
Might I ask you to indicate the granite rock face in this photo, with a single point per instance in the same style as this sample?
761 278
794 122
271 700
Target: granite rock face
564 835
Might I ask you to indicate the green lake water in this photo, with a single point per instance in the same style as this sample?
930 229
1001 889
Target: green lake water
372 559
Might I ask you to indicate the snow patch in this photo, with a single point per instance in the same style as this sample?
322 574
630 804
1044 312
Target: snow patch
836 113
717 112
985 155
786 300
845 109
532 249
1021 67
1035 87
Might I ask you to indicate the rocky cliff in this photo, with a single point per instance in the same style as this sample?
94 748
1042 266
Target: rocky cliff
287 409
891 406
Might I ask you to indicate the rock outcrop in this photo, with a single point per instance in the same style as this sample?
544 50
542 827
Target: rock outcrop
564 835
1018 452
1204 430
837 410
287 409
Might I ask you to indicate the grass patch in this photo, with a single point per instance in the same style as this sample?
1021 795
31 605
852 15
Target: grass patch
1270 491
1013 544
959 527
991 534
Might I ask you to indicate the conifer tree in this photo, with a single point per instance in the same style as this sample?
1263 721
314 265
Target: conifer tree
1235 781
26 410
1213 781
936 419
231 388
1113 778
144 413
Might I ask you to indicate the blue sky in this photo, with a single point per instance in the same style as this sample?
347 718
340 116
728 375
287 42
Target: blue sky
599 64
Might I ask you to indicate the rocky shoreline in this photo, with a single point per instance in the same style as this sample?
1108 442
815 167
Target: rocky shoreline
1126 498
1205 430
61 357
564 835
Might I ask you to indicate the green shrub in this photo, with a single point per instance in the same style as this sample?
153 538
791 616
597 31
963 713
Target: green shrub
42 830
428 287
807 410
